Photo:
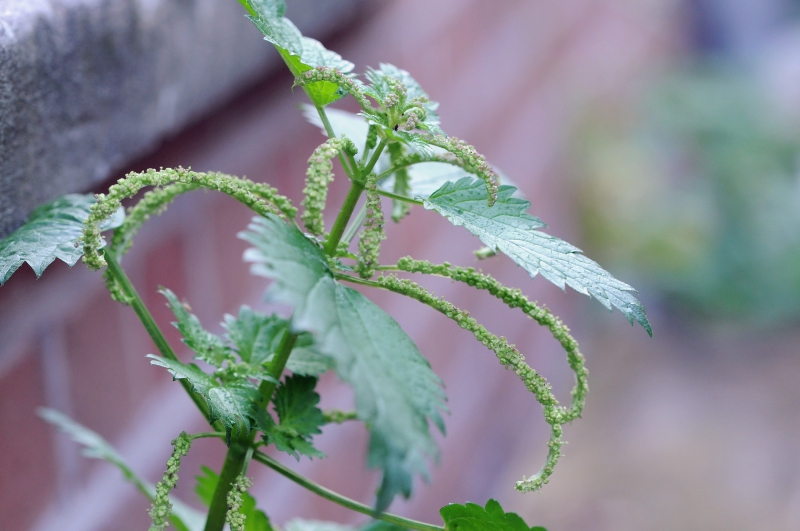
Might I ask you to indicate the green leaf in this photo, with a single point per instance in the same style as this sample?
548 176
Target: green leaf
299 417
183 517
395 389
473 517
300 53
235 403
255 520
208 347
52 231
256 337
506 227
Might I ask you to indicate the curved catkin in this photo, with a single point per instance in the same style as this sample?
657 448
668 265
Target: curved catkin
472 161
318 176
326 73
514 298
234 517
260 198
369 243
161 508
509 357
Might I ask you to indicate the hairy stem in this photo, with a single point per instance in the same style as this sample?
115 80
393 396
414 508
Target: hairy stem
391 195
342 500
152 329
374 160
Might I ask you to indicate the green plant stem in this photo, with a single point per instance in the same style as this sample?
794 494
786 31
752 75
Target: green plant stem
350 169
384 193
240 450
352 229
153 331
374 160
339 225
342 500
208 435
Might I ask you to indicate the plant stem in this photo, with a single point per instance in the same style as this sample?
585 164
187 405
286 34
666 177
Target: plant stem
153 331
342 500
400 197
352 229
374 160
351 169
240 450
234 462
349 205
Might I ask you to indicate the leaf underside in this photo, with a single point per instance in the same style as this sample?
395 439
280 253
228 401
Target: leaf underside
51 232
507 228
208 347
473 517
395 389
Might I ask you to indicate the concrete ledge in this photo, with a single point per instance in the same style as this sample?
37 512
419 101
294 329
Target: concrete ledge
88 85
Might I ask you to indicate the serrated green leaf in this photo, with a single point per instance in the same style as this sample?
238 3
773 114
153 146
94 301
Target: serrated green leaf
208 347
52 231
396 391
473 517
256 337
255 520
235 403
506 227
183 517
300 53
299 417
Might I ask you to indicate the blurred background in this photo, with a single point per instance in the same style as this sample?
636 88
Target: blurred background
660 136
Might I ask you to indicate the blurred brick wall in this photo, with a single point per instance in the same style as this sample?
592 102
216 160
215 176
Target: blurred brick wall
510 77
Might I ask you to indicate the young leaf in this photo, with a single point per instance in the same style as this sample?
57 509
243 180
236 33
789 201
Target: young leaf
208 347
507 228
300 53
300 418
396 391
52 231
473 517
183 517
379 89
256 336
255 520
235 403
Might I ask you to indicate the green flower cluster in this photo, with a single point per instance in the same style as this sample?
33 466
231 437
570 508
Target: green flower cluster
369 243
161 508
261 198
318 176
234 517
554 414
344 82
472 161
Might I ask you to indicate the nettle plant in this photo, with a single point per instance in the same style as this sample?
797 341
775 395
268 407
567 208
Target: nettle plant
393 148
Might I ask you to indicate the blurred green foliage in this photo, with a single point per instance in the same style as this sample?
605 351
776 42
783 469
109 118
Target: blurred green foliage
696 190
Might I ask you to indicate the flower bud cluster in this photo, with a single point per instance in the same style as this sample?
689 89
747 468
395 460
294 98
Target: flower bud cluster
160 511
234 517
326 73
369 243
514 298
318 176
472 161
508 355
372 137
259 197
